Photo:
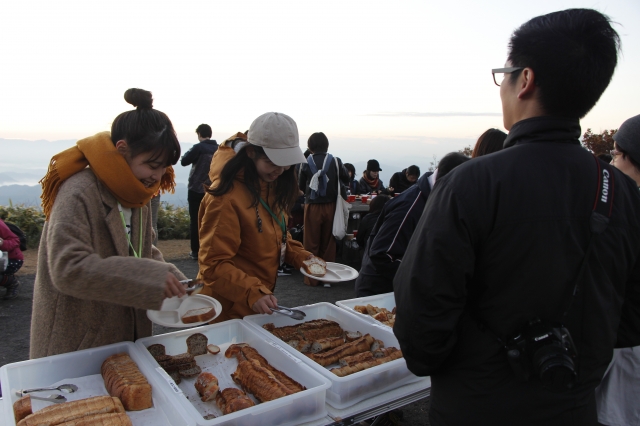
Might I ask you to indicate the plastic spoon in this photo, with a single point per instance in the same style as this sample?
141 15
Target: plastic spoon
66 388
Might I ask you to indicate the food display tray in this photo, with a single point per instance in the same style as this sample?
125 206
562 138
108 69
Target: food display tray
387 301
348 390
298 408
82 368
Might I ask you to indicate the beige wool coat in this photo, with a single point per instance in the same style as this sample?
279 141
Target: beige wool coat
89 291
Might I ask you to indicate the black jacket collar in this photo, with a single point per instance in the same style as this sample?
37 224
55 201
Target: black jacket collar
544 129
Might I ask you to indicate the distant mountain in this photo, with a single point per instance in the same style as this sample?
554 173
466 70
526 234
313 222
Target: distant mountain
30 195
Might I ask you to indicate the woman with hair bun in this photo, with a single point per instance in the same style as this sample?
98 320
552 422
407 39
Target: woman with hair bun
98 271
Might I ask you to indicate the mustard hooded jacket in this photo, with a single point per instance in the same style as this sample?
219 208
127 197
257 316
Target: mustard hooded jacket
238 264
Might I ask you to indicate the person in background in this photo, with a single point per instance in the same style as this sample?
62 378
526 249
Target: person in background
199 156
243 234
98 271
353 186
320 178
401 181
369 220
390 236
369 182
503 246
617 394
10 243
490 141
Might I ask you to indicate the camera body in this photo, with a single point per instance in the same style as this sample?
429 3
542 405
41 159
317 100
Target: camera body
544 351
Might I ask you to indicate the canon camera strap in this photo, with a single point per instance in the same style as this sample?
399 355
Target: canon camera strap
602 209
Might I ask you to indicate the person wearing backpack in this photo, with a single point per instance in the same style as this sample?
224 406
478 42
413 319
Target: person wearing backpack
318 178
10 243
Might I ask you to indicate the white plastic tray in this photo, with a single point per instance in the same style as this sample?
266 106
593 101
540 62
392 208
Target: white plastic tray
348 390
294 409
387 301
83 368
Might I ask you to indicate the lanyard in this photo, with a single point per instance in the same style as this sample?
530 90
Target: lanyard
282 223
124 222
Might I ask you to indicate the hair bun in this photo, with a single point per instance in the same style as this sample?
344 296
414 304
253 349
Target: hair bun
139 98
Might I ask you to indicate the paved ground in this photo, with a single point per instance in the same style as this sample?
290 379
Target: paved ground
15 317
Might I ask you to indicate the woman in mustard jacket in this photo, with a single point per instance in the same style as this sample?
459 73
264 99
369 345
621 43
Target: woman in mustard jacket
243 217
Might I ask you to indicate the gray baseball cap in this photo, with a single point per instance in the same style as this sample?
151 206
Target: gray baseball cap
277 134
628 137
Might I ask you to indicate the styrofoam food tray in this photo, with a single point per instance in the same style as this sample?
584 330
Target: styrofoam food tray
351 389
336 273
387 301
294 409
172 310
82 368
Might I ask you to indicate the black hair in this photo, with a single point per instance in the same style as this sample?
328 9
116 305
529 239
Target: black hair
204 131
146 129
490 141
350 167
606 157
450 162
626 155
378 203
572 53
286 186
307 153
318 142
413 171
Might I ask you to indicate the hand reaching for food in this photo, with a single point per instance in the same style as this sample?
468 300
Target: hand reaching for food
173 287
265 303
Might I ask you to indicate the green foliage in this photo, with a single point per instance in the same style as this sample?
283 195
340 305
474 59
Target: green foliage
173 222
29 219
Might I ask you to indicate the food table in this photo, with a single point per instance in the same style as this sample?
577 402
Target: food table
350 399
356 213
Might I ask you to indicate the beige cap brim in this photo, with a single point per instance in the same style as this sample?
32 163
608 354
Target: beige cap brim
285 156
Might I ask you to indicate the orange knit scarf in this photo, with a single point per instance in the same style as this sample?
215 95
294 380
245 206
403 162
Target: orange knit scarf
99 153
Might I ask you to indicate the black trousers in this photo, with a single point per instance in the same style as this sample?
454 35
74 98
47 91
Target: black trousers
194 199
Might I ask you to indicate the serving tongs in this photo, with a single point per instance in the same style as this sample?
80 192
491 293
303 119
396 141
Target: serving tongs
55 398
293 313
192 286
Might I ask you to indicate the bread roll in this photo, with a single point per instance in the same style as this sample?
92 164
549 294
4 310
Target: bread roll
22 408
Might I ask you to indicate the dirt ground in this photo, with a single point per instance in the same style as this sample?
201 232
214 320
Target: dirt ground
290 291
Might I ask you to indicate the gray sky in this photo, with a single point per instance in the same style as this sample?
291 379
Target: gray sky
393 80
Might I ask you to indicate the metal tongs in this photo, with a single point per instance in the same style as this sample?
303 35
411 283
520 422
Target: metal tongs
69 388
192 286
293 313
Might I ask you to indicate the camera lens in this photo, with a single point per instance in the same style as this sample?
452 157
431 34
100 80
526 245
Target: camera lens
554 367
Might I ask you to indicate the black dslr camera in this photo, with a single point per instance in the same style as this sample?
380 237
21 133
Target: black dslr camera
546 352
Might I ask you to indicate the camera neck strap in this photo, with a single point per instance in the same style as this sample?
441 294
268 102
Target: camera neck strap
598 221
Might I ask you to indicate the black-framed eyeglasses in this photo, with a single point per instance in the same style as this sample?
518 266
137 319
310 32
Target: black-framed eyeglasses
503 71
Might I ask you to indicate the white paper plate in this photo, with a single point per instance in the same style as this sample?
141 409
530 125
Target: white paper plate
336 272
172 310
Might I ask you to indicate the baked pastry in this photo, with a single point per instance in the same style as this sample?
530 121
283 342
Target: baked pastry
109 419
259 381
363 344
67 412
190 372
207 386
123 380
198 315
22 408
315 266
231 400
157 350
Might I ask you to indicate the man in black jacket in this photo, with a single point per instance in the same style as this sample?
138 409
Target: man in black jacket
503 238
199 156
